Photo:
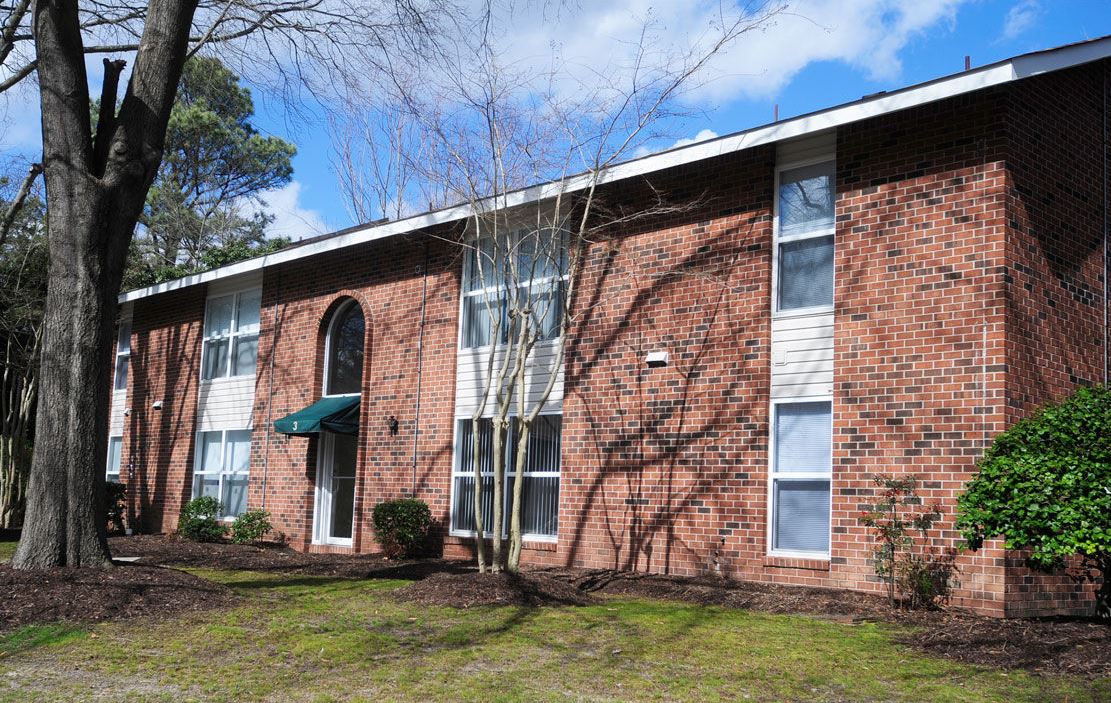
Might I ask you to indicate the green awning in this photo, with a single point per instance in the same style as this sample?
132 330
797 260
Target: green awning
337 414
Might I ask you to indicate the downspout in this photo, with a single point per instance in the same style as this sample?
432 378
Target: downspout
420 364
1106 263
270 384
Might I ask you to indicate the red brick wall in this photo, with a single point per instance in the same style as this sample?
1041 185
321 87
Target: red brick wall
158 444
386 279
1054 289
920 338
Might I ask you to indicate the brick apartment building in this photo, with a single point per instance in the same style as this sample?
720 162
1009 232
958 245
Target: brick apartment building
946 276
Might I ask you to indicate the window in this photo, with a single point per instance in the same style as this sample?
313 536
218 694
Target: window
801 469
343 373
526 269
804 238
123 355
231 335
540 494
221 468
115 450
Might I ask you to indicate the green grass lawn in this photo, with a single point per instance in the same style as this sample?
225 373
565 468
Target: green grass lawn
316 639
7 549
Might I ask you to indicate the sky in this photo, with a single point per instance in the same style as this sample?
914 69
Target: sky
818 54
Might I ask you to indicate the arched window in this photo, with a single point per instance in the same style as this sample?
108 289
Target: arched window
343 369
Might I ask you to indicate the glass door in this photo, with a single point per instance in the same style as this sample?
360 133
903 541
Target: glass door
335 493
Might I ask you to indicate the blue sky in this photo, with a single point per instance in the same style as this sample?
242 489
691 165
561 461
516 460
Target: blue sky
825 53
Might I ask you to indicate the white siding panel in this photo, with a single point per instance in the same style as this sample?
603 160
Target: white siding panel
815 146
471 372
802 356
226 403
116 418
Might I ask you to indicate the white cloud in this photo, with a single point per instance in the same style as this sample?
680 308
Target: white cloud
291 219
597 41
1020 18
702 136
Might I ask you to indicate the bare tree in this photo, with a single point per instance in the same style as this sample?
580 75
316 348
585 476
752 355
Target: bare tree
492 131
97 181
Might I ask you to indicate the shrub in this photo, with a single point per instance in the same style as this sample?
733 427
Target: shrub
251 526
198 520
894 520
401 526
115 495
1044 485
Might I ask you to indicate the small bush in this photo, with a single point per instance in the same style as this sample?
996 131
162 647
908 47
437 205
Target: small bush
401 526
251 526
198 520
896 520
115 495
924 578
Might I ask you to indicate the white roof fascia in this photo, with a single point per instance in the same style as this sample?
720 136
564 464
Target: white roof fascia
959 84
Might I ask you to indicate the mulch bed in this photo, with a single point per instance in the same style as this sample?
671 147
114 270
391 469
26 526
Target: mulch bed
1051 646
468 590
171 550
91 595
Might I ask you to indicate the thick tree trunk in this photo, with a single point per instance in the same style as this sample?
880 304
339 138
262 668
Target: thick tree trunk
95 194
65 491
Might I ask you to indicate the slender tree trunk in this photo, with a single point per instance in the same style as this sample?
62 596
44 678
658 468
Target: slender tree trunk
479 527
16 407
497 557
1103 595
515 536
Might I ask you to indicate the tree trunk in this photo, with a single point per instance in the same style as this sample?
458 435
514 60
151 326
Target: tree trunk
18 404
515 537
497 557
95 194
479 527
65 506
1103 595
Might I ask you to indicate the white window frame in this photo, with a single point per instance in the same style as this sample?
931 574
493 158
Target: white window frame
108 473
223 472
777 238
328 350
499 289
122 354
233 336
456 472
773 475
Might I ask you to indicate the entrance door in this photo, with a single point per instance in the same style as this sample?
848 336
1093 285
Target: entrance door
335 489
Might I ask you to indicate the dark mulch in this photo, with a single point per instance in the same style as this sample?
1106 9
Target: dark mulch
1051 645
91 595
708 590
171 550
468 590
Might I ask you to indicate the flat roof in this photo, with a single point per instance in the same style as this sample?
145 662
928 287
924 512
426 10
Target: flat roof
999 73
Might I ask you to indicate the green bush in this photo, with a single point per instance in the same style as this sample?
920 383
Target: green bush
115 496
251 526
1044 486
198 520
900 524
401 526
